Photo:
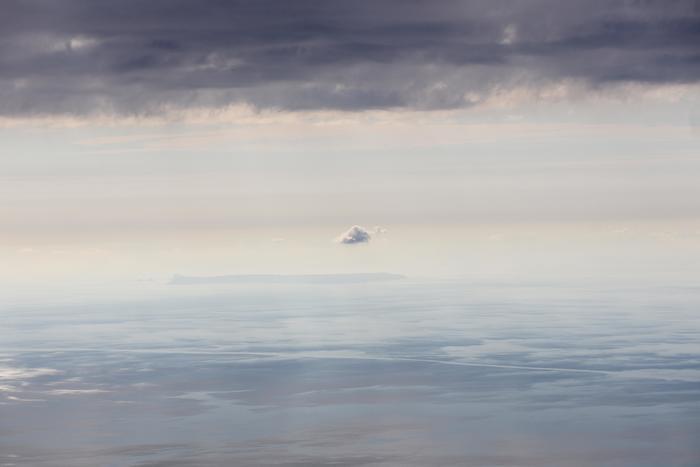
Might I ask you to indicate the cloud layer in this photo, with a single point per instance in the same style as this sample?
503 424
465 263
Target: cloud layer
130 57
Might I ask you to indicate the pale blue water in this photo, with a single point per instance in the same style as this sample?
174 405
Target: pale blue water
406 373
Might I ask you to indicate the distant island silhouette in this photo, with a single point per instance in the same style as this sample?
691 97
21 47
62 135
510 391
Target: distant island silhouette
179 279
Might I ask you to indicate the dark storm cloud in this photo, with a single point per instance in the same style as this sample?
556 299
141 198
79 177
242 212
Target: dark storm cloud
130 56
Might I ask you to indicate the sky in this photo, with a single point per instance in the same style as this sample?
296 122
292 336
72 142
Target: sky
479 138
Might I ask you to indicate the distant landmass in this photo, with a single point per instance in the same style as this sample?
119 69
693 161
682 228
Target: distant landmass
286 279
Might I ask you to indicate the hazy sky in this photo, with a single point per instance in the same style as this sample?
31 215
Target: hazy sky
250 134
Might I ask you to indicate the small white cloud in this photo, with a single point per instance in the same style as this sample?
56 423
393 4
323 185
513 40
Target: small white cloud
354 235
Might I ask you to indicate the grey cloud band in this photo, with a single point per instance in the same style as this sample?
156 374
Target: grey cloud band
134 57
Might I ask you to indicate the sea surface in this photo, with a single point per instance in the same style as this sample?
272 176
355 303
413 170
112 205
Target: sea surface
399 373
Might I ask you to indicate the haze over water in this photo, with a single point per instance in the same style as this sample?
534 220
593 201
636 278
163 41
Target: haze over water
409 372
